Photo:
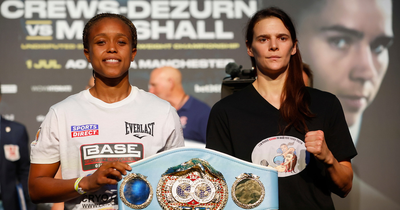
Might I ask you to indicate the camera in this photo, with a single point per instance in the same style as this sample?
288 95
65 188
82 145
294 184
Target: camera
238 79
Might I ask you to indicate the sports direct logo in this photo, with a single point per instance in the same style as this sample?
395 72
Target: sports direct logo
84 130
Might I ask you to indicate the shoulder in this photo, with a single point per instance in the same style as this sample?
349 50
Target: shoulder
319 96
149 102
319 93
238 102
13 124
196 102
147 97
13 132
239 98
325 103
70 100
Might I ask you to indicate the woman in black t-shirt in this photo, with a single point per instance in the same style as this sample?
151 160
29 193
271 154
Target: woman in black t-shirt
279 109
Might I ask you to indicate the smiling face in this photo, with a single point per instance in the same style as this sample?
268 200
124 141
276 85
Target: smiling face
110 48
346 45
271 46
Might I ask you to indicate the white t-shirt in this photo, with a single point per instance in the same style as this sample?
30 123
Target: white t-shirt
82 132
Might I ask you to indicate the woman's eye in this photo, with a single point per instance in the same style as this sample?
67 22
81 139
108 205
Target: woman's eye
378 49
341 43
380 44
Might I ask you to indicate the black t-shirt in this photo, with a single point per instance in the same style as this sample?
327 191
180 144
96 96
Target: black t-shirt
246 126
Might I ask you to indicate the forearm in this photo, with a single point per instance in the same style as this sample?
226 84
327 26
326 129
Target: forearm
50 190
43 187
341 174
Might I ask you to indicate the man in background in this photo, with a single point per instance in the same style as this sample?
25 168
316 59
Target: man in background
14 166
166 83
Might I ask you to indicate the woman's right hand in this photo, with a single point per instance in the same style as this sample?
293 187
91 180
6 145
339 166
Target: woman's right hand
108 173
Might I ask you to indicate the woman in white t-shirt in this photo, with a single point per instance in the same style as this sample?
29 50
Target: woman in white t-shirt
96 133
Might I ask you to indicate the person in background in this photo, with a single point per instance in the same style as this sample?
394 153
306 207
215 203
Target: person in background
346 43
166 83
14 166
279 113
93 135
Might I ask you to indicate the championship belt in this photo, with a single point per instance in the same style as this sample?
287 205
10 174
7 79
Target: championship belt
197 179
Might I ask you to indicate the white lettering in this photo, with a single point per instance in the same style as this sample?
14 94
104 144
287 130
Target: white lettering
92 150
178 12
32 7
7 13
157 29
138 9
143 29
241 7
33 30
209 88
10 117
87 9
56 9
159 10
169 18
106 149
51 88
207 10
132 148
40 118
219 31
120 148
78 64
182 63
63 30
221 7
185 29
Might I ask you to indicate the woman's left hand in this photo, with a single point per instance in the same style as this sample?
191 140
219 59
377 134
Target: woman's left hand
315 144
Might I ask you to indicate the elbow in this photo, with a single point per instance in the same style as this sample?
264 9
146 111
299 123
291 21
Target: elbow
34 196
347 189
343 191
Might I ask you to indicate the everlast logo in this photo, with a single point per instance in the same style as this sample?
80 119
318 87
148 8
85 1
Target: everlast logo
137 129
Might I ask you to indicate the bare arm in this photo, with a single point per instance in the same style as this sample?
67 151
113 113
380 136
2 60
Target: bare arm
58 206
44 188
341 173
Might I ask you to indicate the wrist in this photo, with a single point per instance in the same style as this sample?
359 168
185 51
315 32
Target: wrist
78 187
330 160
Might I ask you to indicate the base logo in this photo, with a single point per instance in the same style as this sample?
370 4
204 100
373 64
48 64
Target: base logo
93 156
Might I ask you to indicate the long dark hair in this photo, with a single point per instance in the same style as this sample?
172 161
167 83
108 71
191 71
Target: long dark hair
295 98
